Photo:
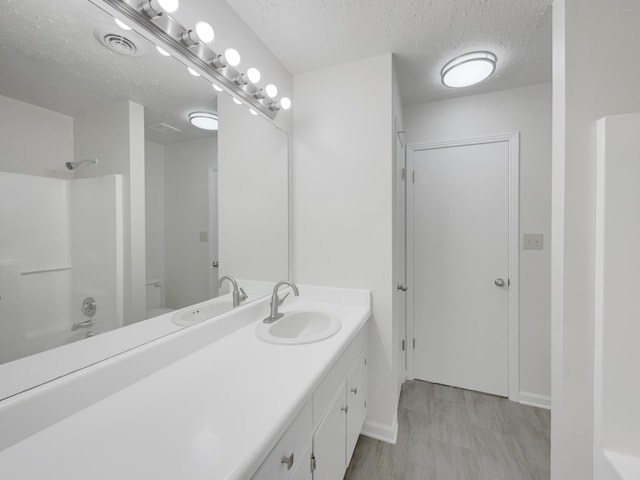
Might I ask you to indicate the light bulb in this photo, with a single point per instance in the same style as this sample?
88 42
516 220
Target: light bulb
254 75
169 6
193 72
162 52
121 24
205 32
216 87
271 90
252 111
285 103
237 101
232 56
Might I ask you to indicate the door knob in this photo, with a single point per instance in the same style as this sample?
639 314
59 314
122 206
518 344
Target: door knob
402 287
499 282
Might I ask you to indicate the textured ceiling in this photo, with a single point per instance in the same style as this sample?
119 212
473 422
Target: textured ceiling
49 57
424 34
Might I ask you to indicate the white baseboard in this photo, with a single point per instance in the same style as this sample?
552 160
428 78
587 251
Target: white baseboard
381 431
535 400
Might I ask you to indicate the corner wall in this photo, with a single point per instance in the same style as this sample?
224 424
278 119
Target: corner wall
595 74
343 197
528 111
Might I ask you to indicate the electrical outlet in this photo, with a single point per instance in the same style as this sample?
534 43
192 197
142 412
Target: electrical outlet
533 241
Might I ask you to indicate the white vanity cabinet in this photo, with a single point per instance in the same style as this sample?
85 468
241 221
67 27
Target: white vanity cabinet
323 436
338 422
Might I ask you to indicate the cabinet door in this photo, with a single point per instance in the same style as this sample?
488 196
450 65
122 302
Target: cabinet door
357 402
329 441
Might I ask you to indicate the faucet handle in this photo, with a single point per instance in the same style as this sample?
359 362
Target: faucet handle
281 300
243 294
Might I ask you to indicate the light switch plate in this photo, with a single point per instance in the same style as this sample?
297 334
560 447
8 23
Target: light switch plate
533 241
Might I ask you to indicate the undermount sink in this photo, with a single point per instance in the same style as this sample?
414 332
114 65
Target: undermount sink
298 327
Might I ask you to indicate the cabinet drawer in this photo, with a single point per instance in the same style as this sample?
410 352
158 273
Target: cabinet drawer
296 441
327 388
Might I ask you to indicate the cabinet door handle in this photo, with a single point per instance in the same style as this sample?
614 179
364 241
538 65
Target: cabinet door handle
344 409
288 461
354 390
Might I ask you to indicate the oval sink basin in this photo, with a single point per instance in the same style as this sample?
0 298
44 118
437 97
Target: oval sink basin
299 327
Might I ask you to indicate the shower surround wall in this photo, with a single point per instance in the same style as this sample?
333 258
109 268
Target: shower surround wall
58 244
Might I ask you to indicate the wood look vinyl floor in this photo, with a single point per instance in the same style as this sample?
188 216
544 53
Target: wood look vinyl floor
447 433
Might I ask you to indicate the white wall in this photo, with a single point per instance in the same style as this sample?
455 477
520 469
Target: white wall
34 140
154 206
594 41
186 216
115 135
343 179
253 194
528 111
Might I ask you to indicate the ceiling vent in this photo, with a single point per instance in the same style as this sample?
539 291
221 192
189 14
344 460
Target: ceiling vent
116 42
164 128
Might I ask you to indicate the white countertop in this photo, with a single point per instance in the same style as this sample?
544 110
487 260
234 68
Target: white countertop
214 414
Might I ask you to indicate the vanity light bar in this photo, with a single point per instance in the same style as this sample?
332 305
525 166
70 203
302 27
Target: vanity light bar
165 31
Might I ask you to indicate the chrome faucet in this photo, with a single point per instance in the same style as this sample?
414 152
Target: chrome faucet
85 324
239 295
276 302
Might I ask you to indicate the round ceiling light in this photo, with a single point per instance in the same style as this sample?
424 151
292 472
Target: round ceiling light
468 69
204 120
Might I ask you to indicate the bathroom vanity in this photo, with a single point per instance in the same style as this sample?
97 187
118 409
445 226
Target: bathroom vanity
230 406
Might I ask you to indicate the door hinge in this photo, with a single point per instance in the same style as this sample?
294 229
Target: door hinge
414 343
404 174
508 282
365 404
313 462
365 361
413 176
403 345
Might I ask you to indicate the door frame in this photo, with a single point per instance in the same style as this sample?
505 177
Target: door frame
513 141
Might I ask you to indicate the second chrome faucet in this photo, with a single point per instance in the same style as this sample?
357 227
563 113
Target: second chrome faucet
238 294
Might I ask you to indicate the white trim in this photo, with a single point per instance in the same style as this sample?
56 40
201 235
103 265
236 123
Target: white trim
513 140
381 431
535 400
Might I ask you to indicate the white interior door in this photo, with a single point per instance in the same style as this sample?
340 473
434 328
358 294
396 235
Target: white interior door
460 216
213 233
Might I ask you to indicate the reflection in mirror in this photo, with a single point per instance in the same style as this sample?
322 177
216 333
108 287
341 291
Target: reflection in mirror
110 201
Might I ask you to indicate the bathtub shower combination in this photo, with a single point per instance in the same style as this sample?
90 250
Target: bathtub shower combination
69 286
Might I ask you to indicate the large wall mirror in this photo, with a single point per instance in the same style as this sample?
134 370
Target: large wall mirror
115 209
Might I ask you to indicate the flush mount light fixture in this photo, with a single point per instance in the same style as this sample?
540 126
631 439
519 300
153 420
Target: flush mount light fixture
204 120
468 69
